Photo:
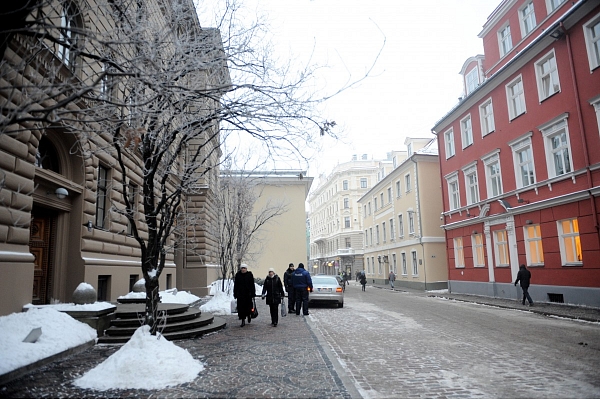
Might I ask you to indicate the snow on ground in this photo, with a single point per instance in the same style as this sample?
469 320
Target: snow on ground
97 306
166 296
438 291
220 302
170 365
60 332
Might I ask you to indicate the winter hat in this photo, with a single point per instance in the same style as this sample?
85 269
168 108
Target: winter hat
271 270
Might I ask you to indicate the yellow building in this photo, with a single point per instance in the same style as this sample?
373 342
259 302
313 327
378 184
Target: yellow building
401 222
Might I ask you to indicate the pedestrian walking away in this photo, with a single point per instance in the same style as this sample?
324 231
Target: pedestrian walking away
302 283
273 291
392 278
524 276
289 288
244 291
363 281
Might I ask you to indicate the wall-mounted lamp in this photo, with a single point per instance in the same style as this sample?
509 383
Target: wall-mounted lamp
89 225
60 193
558 33
528 222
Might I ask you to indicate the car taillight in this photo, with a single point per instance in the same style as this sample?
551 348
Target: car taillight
338 289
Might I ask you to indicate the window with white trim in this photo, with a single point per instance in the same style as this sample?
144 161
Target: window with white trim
546 74
449 143
570 243
466 131
102 197
533 244
384 232
404 269
389 195
368 265
392 231
523 161
348 242
411 222
381 198
379 270
558 148
400 226
486 114
376 234
394 263
375 203
345 185
501 247
459 253
504 40
407 185
69 24
591 31
453 191
478 251
493 175
515 96
398 192
596 104
346 222
527 18
346 202
366 238
552 5
471 80
415 265
371 235
471 184
363 183
369 208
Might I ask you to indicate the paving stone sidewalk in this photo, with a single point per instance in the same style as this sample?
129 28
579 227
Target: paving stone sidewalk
256 361
589 314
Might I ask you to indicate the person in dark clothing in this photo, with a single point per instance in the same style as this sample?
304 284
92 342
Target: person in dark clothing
244 291
289 288
273 291
524 276
363 281
302 283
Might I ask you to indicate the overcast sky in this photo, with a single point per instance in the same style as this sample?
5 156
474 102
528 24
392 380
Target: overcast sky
415 80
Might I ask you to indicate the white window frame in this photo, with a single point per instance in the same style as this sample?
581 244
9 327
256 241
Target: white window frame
407 183
595 102
552 5
471 80
449 143
515 98
504 39
501 247
466 131
592 43
557 127
394 264
376 234
392 230
404 266
471 183
384 232
550 76
345 185
487 118
363 183
398 189
415 263
400 226
411 222
459 253
453 195
569 241
477 246
527 18
346 202
390 195
534 250
347 223
493 181
371 235
366 238
379 265
375 203
521 144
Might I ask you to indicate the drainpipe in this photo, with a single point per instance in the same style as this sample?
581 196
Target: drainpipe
412 158
588 173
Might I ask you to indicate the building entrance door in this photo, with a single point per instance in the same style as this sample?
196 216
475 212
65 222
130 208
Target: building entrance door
41 238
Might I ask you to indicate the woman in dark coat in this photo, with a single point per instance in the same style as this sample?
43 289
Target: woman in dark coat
244 291
273 290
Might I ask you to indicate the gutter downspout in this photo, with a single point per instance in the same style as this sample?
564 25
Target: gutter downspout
420 223
588 173
443 217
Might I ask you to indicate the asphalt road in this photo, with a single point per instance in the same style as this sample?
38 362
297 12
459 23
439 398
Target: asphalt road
389 344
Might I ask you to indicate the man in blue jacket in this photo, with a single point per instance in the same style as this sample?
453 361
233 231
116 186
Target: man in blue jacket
302 283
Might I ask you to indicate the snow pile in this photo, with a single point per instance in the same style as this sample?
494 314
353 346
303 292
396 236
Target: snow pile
85 286
60 332
438 291
220 303
144 362
97 306
167 296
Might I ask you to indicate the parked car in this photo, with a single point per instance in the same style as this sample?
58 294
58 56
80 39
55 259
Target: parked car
326 288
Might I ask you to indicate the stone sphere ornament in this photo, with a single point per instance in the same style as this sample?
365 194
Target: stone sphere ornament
85 294
139 286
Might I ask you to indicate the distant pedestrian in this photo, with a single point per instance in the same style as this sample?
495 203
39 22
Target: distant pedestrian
363 281
302 283
524 276
273 291
244 291
392 278
289 288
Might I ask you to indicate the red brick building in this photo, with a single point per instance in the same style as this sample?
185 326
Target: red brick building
520 155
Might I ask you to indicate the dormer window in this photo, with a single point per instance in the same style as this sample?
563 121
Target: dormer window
471 80
409 149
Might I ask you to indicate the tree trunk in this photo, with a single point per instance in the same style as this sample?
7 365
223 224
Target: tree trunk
152 300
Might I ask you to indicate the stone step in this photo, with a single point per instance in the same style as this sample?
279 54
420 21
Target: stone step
217 324
132 311
202 320
135 322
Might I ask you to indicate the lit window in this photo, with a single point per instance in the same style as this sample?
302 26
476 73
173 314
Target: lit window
515 97
449 142
478 252
523 160
592 41
558 148
466 131
504 40
501 244
527 18
533 245
547 76
570 243
486 113
459 253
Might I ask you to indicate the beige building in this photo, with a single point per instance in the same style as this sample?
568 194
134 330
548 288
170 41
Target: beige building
58 227
282 240
336 234
401 222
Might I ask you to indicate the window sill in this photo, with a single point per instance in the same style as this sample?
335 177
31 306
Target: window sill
516 116
571 265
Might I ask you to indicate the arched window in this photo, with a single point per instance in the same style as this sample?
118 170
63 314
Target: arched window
69 22
47 156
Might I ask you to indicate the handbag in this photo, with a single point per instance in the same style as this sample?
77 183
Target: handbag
283 308
233 306
254 312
